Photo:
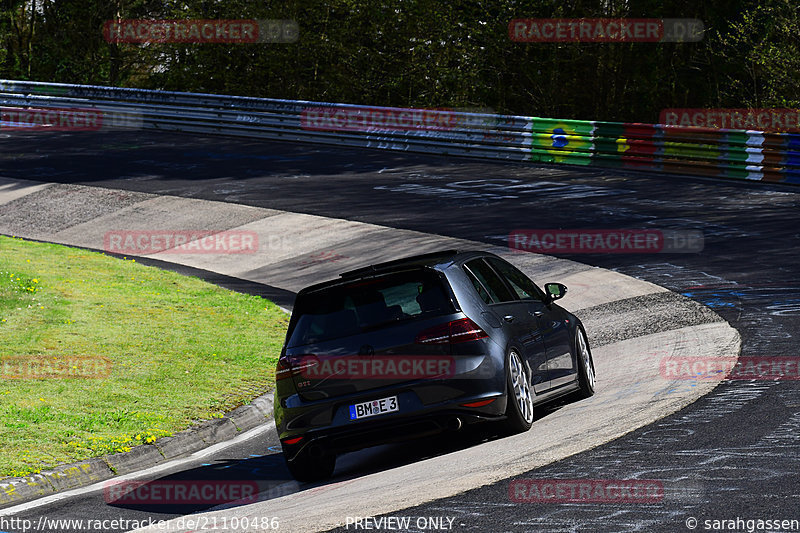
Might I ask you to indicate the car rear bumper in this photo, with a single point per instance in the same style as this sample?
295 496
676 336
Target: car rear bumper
394 427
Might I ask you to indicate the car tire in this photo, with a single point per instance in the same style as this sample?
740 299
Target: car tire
304 467
585 363
519 406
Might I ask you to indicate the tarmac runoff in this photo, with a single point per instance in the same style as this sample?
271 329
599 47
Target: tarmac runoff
632 325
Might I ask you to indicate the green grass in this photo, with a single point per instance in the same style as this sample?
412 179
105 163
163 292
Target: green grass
179 350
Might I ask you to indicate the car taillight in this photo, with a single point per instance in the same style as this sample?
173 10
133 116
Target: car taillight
296 365
283 370
462 330
436 335
465 330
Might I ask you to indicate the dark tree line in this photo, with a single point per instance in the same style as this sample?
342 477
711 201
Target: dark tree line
426 53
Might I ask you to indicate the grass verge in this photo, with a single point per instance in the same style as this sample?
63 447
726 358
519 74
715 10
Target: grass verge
99 354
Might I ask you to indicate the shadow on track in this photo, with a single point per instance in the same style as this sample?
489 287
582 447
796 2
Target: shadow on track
232 483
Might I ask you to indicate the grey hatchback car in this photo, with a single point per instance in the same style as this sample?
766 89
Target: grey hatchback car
419 346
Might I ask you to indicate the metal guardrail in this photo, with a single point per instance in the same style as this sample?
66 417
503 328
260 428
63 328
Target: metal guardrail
753 155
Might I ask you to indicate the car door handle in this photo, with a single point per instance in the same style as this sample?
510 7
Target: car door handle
537 313
509 318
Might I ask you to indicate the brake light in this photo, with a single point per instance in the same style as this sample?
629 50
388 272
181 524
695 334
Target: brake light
463 330
293 440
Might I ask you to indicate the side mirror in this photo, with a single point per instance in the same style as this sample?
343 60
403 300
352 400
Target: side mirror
555 291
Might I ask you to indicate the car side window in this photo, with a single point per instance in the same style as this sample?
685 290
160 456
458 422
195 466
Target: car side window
479 287
491 281
522 285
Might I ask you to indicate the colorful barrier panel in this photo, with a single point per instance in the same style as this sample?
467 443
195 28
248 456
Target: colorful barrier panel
702 151
723 153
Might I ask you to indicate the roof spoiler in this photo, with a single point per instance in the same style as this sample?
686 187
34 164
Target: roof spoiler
417 260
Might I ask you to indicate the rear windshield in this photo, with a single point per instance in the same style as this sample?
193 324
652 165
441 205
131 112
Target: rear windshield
368 304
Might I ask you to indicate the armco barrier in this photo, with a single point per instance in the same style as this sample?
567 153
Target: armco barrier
725 153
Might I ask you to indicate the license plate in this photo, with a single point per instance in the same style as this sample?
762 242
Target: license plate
375 407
